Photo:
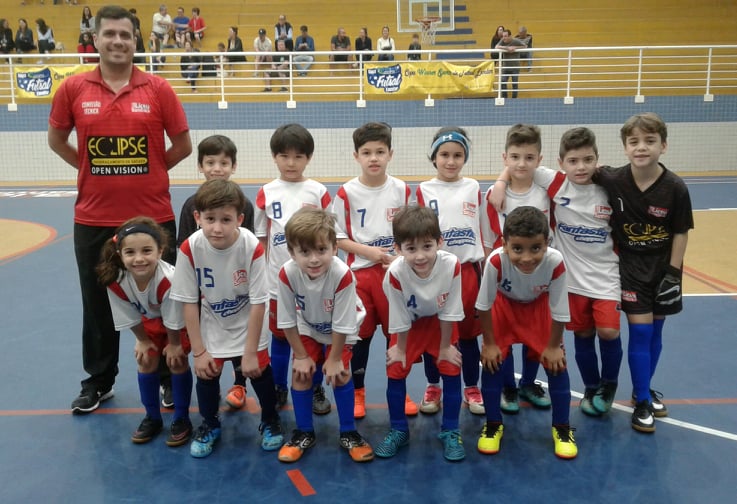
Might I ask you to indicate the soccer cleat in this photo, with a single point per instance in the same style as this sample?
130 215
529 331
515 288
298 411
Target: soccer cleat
431 400
294 448
272 437
320 404
604 397
452 445
565 444
204 440
491 438
358 448
410 407
534 394
167 395
236 397
509 402
147 430
658 408
392 442
642 417
586 403
359 403
180 432
89 400
281 397
472 397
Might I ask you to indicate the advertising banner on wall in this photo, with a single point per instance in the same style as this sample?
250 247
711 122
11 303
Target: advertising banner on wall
438 78
43 81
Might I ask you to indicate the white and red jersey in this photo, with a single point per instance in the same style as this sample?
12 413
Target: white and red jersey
129 304
364 214
502 278
121 145
319 307
276 202
459 207
492 222
583 234
226 283
411 297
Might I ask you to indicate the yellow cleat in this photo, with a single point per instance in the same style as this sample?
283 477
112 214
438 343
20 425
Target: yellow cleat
491 438
565 445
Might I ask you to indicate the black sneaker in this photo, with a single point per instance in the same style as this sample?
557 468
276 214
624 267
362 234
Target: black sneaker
320 404
148 429
167 396
89 400
642 417
281 397
180 432
659 409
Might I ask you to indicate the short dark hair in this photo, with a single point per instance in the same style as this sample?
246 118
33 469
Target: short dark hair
577 138
526 222
214 145
308 227
219 193
413 222
524 134
292 136
649 122
114 12
372 132
303 28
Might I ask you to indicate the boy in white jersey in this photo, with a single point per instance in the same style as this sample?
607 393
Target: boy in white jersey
521 158
456 200
220 279
423 287
320 314
524 299
364 208
292 147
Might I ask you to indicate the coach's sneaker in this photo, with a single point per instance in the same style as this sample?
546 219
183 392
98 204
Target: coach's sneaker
509 402
587 402
452 445
272 437
604 397
410 407
565 445
491 438
294 448
392 442
431 400
204 440
281 397
89 400
642 417
534 393
147 430
472 397
358 448
236 397
180 432
359 403
320 404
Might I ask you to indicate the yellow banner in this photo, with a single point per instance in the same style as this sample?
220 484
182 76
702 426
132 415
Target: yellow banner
43 81
438 78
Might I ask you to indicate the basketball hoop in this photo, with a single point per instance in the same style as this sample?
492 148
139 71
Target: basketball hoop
429 26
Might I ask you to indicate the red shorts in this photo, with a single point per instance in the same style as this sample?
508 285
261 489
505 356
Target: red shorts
369 288
278 333
423 337
263 359
318 351
157 332
588 313
470 327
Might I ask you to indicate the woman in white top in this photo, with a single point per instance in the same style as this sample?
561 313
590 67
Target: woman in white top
385 43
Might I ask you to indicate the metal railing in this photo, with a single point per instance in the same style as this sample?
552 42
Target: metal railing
564 73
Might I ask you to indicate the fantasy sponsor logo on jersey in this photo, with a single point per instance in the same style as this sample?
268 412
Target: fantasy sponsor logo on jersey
140 108
469 209
390 213
602 212
639 234
458 237
240 277
278 239
228 307
38 82
387 78
91 107
583 234
441 299
658 212
382 241
118 155
539 289
322 327
327 305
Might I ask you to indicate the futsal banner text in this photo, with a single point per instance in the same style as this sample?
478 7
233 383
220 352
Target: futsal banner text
438 78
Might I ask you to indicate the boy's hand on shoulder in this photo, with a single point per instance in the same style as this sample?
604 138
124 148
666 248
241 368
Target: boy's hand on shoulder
395 354
554 359
669 288
491 357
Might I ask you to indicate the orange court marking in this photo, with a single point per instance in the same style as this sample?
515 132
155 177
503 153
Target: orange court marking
21 238
299 481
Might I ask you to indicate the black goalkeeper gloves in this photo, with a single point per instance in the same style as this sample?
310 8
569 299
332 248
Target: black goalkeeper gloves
669 289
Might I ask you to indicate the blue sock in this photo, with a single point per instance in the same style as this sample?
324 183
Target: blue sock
148 386
507 371
451 402
431 369
302 402
471 356
344 397
280 351
638 356
587 360
396 391
611 359
559 387
181 387
317 376
529 368
208 398
491 391
656 346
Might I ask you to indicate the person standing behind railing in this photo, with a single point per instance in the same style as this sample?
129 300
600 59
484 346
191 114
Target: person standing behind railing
526 38
509 62
304 43
495 40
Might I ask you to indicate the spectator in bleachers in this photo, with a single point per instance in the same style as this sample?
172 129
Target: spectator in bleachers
283 31
87 46
526 38
262 43
363 43
280 65
495 40
509 62
222 60
181 26
46 42
197 28
190 65
415 46
140 47
7 44
304 43
136 21
339 44
235 45
87 25
386 45
24 37
160 28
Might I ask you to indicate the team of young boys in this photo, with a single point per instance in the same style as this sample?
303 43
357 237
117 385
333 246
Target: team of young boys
434 301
